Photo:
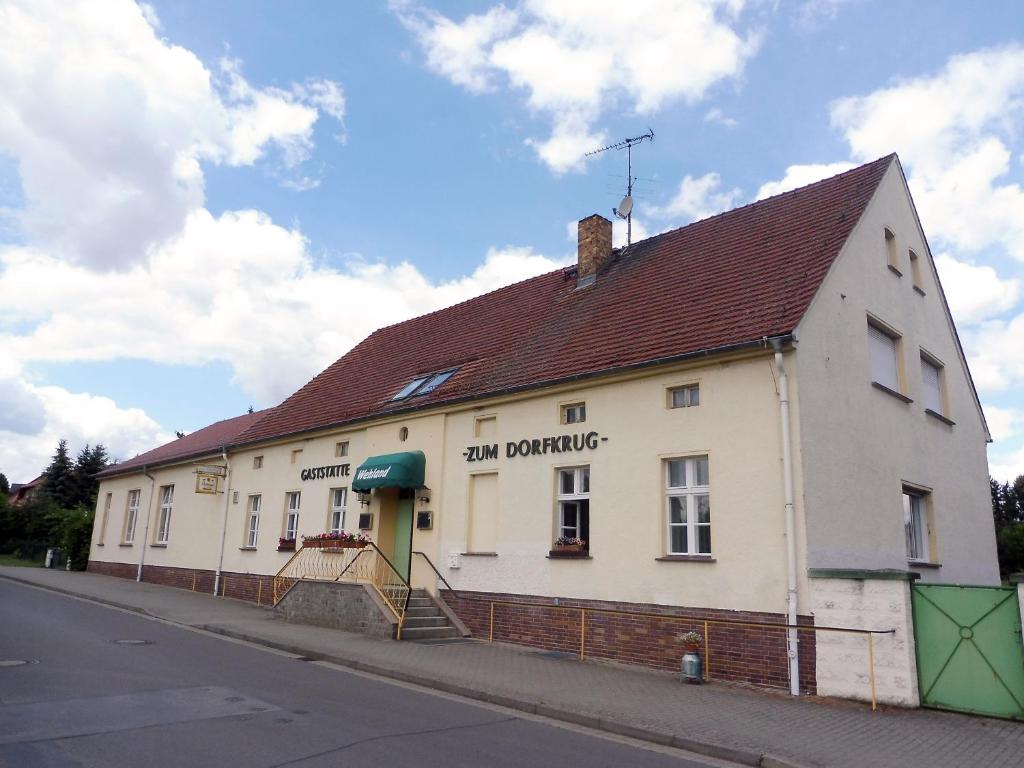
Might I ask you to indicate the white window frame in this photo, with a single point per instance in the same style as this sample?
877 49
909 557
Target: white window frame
163 529
580 492
107 503
341 449
336 515
574 413
690 396
916 525
257 462
688 495
131 515
293 504
878 335
252 530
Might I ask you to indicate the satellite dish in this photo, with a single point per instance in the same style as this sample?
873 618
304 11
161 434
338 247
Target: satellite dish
624 207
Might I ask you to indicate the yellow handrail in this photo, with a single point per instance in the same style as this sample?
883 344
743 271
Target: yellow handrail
869 633
353 564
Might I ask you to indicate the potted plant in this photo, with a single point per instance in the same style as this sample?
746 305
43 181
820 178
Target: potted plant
336 540
285 545
691 665
692 641
568 546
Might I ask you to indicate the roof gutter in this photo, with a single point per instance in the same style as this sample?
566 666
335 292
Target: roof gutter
760 343
149 513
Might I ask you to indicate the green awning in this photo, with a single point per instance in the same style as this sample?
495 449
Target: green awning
392 470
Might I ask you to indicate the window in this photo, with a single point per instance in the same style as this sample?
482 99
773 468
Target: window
915 271
435 381
684 397
291 518
931 379
688 503
424 385
341 449
482 535
574 504
891 254
131 516
339 498
163 529
575 413
106 514
257 462
485 427
253 529
915 523
884 361
296 455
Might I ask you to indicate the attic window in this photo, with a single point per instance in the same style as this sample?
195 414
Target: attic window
424 385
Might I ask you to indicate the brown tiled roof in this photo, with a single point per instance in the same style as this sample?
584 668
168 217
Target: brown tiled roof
202 442
728 280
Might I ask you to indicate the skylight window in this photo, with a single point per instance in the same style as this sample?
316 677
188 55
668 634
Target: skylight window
424 385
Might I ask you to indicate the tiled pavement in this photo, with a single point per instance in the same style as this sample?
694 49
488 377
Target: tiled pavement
655 705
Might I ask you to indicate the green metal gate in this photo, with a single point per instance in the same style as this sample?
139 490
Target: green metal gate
970 657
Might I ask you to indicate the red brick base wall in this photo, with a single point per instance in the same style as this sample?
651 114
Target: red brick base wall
253 587
737 653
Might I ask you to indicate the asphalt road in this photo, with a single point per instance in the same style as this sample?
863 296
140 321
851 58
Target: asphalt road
103 687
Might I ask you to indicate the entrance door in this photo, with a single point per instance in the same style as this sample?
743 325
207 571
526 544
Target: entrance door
969 653
403 532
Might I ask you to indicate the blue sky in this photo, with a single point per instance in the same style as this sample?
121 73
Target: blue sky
203 204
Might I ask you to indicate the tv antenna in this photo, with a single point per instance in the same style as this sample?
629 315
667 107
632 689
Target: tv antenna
625 207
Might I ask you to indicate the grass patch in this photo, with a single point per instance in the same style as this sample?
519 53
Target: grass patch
14 560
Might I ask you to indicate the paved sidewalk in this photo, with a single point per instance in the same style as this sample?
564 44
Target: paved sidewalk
749 727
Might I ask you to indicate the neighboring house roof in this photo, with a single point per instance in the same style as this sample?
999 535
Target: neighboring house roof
200 443
729 280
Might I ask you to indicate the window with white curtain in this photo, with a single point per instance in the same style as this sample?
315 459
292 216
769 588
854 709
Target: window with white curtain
931 381
884 362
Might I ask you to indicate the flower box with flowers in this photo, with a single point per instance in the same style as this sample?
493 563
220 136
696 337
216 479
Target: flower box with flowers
285 545
341 540
567 546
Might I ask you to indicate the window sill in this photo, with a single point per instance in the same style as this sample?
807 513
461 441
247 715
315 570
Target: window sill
685 559
159 546
247 549
919 289
99 543
893 392
895 270
479 554
923 564
936 415
286 549
126 545
552 555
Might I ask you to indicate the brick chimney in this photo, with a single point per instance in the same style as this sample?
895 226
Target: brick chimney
594 249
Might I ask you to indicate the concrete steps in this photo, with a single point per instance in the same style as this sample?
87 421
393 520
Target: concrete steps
424 620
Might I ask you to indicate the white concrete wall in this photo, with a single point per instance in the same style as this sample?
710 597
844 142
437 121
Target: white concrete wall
843 668
858 445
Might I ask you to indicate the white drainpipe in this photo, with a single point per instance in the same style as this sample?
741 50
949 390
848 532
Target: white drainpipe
787 481
145 533
224 522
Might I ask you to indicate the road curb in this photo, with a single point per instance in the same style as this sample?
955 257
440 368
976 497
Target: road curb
708 749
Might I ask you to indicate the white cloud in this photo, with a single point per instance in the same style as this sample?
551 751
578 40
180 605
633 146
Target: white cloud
954 131
697 198
1006 467
800 176
1003 423
995 352
110 125
716 115
975 292
80 419
574 61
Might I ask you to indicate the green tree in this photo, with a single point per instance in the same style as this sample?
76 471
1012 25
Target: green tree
5 486
58 480
87 464
1008 515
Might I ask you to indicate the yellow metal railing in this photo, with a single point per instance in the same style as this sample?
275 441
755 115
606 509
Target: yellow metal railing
868 634
360 565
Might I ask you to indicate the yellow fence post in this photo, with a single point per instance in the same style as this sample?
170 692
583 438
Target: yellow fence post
871 669
707 652
193 579
490 637
259 590
583 631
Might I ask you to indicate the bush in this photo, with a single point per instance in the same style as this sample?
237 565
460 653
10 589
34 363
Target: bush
1010 545
76 536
